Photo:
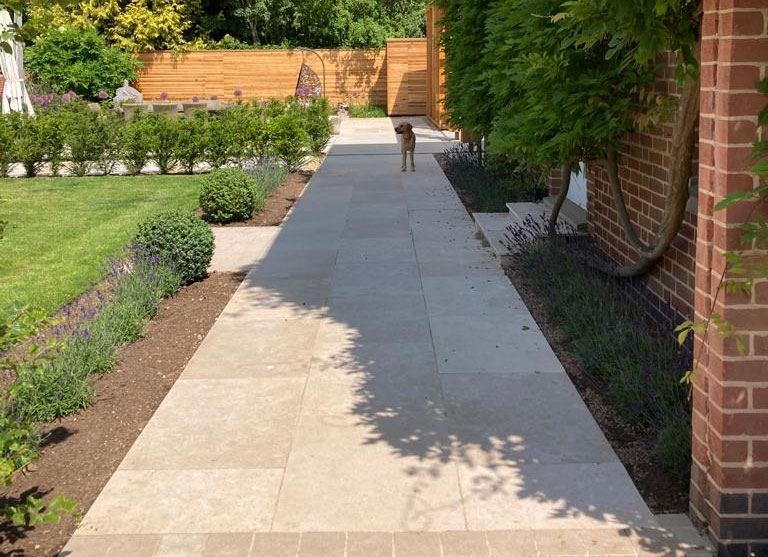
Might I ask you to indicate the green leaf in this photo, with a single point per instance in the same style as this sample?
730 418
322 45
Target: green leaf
734 197
740 346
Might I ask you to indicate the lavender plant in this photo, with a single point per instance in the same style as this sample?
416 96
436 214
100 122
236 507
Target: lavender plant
628 356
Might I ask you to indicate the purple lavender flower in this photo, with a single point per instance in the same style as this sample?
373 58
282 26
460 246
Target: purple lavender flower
238 93
163 96
195 99
103 95
214 97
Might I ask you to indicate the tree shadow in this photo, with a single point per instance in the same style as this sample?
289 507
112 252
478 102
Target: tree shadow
429 372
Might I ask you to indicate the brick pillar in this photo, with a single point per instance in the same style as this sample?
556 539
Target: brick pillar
729 477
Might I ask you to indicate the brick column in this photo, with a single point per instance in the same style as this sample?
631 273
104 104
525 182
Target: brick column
729 477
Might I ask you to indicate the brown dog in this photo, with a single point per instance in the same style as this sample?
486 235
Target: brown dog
408 144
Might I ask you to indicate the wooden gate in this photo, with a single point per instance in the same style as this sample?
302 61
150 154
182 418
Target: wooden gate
435 68
407 77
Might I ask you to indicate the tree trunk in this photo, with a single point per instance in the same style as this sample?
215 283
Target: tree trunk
566 184
678 178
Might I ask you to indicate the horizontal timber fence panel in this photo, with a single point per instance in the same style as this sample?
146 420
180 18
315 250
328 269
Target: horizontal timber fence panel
406 77
353 76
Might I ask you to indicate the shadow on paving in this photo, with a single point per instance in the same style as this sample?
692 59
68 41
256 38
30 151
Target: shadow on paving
370 256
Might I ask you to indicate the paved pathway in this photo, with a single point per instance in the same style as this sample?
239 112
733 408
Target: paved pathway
375 387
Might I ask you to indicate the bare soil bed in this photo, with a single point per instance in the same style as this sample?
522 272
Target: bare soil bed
81 452
661 493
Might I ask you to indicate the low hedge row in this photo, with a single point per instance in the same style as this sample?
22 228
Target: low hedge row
71 135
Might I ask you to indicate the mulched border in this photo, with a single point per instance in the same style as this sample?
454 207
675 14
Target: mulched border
81 451
661 493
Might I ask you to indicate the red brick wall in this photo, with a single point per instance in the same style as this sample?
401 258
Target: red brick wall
643 174
729 485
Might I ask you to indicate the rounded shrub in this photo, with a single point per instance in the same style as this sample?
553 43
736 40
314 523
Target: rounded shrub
228 194
180 240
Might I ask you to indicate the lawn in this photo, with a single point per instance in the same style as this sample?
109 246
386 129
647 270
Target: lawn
62 230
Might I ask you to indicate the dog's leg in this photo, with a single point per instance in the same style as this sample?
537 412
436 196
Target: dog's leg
405 154
413 165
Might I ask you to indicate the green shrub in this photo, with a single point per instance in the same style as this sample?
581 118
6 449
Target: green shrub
228 194
110 148
164 138
180 240
135 141
220 140
6 146
79 60
83 132
287 138
192 142
38 139
317 124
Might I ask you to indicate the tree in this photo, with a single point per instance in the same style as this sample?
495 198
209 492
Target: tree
79 60
557 82
132 25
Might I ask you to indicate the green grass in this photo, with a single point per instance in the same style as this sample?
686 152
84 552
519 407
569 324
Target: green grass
367 111
62 230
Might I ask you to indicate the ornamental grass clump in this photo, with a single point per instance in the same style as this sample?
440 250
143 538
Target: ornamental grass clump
630 358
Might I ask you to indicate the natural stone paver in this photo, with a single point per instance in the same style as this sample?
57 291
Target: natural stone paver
238 249
375 387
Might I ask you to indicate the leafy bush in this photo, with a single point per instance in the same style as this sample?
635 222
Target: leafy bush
135 141
635 362
38 139
164 138
489 182
180 240
228 194
83 132
317 124
220 140
367 111
6 146
110 148
287 138
79 60
191 142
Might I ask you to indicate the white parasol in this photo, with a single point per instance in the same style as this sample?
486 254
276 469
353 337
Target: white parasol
15 97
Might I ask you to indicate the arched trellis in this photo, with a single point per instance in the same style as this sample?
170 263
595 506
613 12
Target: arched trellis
304 65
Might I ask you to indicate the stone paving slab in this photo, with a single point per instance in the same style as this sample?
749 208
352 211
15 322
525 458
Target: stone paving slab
374 387
611 542
239 248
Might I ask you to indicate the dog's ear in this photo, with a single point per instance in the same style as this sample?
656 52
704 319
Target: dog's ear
408 127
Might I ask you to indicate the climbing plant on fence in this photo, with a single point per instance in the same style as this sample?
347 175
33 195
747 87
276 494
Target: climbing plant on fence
557 82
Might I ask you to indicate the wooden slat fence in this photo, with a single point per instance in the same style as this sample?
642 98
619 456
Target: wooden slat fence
357 76
406 77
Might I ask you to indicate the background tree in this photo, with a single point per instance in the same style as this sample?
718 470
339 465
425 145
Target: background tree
132 25
79 60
